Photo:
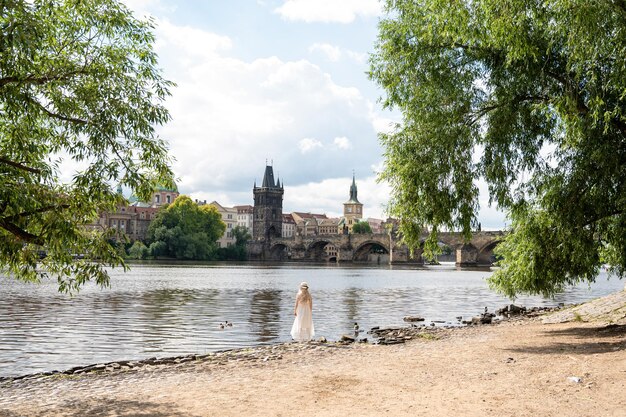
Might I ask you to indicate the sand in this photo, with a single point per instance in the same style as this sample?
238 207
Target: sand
514 368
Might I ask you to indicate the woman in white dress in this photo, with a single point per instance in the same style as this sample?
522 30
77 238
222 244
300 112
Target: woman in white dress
302 329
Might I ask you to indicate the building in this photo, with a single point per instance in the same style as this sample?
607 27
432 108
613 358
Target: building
229 217
307 224
140 223
377 225
134 218
268 207
329 226
352 209
330 251
162 196
245 217
289 226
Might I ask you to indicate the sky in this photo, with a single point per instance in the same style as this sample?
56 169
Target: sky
282 82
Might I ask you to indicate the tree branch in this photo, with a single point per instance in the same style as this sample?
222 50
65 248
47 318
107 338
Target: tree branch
56 115
516 100
17 165
596 219
40 210
31 79
20 233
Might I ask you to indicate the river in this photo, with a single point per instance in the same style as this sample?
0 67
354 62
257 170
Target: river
174 309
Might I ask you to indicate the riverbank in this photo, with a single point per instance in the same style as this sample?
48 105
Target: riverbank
517 368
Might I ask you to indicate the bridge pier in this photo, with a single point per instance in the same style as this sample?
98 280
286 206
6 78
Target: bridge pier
467 255
402 255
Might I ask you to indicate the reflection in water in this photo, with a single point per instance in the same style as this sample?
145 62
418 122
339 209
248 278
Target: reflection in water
352 303
168 310
265 314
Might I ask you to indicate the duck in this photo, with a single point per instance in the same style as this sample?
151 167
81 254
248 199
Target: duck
229 324
221 326
356 326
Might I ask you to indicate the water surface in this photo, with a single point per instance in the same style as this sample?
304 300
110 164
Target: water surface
168 310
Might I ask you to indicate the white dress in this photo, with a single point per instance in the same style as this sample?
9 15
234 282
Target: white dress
302 329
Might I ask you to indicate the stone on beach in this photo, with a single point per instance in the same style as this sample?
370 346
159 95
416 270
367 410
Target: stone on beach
413 318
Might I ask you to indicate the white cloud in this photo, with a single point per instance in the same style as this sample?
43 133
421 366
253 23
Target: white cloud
146 8
359 57
332 53
230 115
327 196
190 41
343 142
307 145
328 11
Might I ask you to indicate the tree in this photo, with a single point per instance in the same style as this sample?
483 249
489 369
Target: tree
185 230
241 235
236 252
79 87
138 250
527 96
362 228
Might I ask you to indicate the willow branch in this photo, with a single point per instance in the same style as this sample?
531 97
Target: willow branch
516 100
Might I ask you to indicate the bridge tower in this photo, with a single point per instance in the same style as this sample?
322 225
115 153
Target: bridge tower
352 209
267 222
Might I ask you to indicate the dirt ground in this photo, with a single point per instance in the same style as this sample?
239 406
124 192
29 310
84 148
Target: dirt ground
515 368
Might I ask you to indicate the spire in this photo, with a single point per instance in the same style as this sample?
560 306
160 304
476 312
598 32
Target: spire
353 191
268 178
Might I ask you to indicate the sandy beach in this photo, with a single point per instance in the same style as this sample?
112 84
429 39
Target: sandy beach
569 363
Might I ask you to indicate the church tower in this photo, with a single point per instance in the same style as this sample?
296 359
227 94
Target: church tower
352 209
267 222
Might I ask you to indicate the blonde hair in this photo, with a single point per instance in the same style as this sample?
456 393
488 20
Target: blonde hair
303 293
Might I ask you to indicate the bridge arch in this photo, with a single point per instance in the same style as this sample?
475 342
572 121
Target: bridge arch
478 251
279 252
315 249
365 249
485 253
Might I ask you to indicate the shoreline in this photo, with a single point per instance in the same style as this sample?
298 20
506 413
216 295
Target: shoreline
240 353
569 362
383 335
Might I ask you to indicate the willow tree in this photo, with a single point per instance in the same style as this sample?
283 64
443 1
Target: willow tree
80 90
529 96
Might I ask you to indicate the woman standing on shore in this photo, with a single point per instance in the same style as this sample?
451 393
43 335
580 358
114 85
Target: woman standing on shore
302 329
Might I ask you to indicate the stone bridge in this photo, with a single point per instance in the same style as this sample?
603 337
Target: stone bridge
379 248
